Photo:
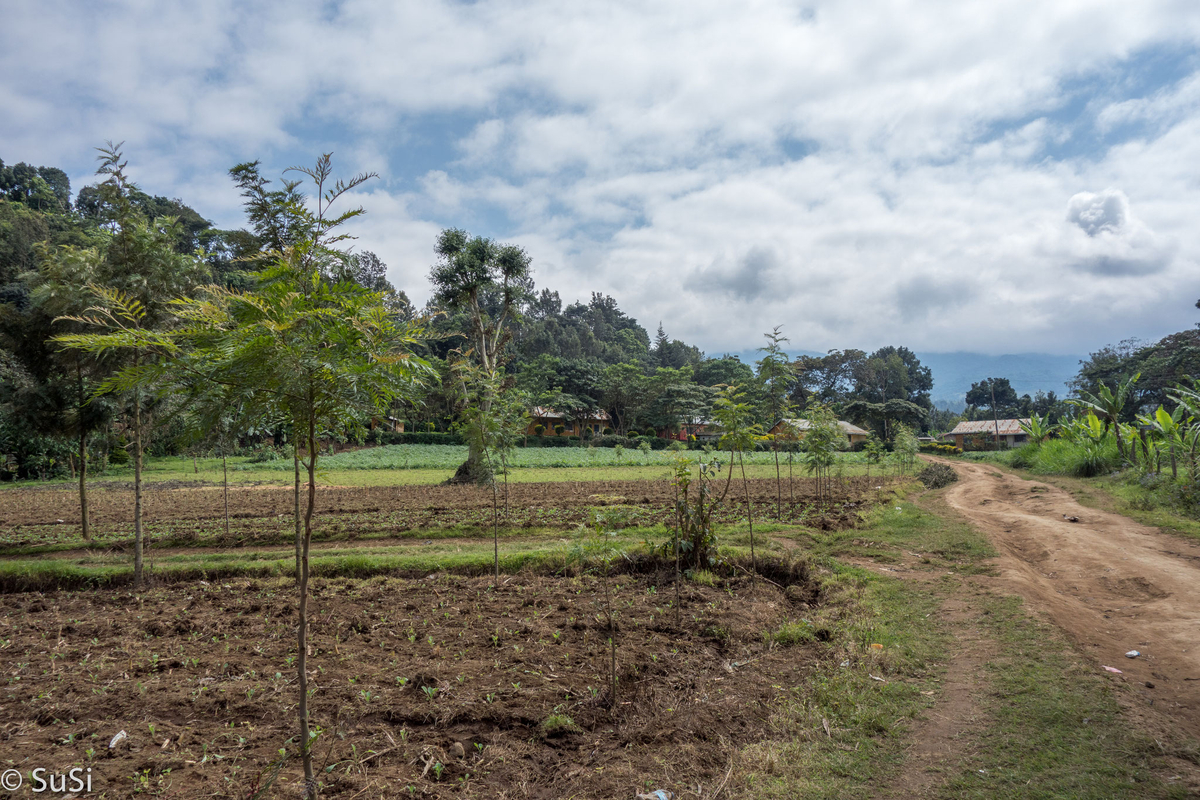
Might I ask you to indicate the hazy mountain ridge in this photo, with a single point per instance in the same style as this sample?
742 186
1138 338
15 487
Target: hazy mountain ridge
1029 373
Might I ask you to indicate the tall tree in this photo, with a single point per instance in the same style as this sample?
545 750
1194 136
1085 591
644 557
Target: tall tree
326 353
142 272
489 282
775 379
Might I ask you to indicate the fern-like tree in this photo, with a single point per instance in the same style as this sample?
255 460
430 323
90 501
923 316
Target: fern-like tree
822 439
136 272
734 417
775 378
324 353
487 282
491 422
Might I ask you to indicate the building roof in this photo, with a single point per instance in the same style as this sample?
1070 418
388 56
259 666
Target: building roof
804 424
1008 427
545 412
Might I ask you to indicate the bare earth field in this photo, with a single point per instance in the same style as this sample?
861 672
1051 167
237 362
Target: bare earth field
447 685
33 516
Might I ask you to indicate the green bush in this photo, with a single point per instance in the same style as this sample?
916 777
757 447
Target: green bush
1080 459
938 449
1024 457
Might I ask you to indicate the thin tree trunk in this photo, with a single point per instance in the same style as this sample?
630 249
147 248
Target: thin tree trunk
296 498
750 520
495 534
778 487
1174 470
83 498
612 643
678 519
225 482
137 486
504 466
310 782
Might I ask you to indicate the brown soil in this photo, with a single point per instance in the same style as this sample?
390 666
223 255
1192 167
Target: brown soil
1113 585
264 514
199 678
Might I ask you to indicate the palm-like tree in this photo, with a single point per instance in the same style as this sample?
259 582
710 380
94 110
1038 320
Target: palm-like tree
1109 405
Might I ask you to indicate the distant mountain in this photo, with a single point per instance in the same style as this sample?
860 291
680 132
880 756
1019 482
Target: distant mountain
1029 373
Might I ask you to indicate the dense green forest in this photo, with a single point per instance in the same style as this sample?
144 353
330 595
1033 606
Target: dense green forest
580 357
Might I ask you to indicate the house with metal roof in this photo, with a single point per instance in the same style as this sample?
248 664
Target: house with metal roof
799 426
1007 431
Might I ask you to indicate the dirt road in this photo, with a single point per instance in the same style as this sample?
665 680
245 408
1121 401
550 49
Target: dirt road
1112 584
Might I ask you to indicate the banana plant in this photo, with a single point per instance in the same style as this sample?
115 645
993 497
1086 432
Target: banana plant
1109 405
1169 427
1088 429
1039 429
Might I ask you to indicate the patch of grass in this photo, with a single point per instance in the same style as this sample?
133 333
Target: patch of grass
1055 728
867 719
923 527
411 465
793 633
557 725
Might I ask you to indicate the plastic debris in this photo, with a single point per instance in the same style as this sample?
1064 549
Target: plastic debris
846 663
876 646
657 794
1113 669
116 740
1132 654
872 677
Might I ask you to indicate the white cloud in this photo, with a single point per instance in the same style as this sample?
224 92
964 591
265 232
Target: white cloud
641 149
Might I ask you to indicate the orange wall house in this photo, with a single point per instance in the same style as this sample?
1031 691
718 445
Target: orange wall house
548 418
853 432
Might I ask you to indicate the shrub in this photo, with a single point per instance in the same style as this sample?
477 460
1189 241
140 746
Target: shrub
793 633
1024 456
607 432
118 456
938 449
935 476
632 434
264 454
538 430
558 724
559 428
613 441
415 437
1079 459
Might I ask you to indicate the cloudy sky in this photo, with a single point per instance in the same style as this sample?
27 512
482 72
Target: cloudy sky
997 177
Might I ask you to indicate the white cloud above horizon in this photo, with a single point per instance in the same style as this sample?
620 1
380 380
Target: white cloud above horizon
1001 178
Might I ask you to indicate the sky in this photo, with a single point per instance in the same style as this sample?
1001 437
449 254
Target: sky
991 177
